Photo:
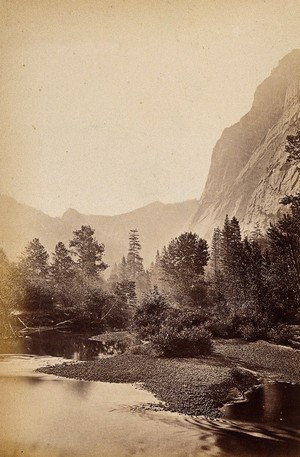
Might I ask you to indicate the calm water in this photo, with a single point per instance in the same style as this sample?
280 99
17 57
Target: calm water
75 346
46 416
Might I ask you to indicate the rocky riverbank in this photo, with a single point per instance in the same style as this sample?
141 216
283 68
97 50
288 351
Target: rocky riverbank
196 386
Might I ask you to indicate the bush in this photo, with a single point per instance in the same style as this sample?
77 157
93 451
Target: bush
38 295
170 331
280 334
224 325
252 332
185 342
150 315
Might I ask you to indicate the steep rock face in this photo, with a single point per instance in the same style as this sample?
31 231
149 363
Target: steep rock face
249 173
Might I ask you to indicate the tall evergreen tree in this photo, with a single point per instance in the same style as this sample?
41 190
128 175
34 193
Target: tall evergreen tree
35 260
10 294
122 270
113 277
34 269
134 260
183 263
62 266
233 268
215 267
284 238
156 273
87 251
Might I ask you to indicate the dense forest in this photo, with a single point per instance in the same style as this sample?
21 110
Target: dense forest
246 287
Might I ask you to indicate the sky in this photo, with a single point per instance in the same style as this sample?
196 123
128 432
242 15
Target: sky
108 105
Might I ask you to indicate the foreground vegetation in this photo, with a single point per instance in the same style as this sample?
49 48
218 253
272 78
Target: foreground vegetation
238 287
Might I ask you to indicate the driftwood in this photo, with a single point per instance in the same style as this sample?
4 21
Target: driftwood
44 328
23 323
63 322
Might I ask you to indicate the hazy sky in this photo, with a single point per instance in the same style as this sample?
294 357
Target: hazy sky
109 105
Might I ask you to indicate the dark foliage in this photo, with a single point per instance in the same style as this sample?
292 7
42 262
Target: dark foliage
171 331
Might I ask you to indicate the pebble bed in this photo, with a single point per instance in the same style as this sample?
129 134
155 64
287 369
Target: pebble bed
194 386
188 386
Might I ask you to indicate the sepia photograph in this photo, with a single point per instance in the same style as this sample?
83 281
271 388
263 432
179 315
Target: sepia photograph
150 228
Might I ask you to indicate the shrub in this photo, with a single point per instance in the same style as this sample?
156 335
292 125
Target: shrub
150 315
280 334
185 342
251 332
224 325
170 331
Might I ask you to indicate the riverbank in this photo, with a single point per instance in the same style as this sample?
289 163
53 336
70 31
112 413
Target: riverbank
195 386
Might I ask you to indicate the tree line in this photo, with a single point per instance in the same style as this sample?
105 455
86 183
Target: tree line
238 286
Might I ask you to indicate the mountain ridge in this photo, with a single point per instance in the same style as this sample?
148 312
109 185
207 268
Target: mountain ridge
239 182
20 223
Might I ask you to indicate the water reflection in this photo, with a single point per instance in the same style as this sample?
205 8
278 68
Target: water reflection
265 425
74 346
273 403
60 419
238 439
50 417
241 444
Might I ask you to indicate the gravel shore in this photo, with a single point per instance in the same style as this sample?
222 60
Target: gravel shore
195 386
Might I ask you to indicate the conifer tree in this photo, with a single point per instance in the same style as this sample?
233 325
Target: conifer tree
34 270
122 270
156 273
34 261
284 239
183 262
87 251
134 259
62 266
10 294
215 266
232 261
114 274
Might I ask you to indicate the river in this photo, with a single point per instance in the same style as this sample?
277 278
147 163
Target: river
47 416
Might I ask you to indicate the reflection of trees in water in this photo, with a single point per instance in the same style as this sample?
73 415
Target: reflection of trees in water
235 444
276 407
273 403
12 346
67 345
264 426
81 388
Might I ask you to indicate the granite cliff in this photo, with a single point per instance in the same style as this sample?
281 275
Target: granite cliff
248 173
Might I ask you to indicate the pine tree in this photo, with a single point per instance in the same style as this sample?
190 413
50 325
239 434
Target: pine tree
134 260
183 263
62 266
10 294
284 238
233 268
126 291
215 266
34 270
34 261
255 274
122 270
88 251
156 273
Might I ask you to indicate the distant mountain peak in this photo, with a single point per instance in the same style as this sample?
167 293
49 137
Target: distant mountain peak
157 224
71 213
